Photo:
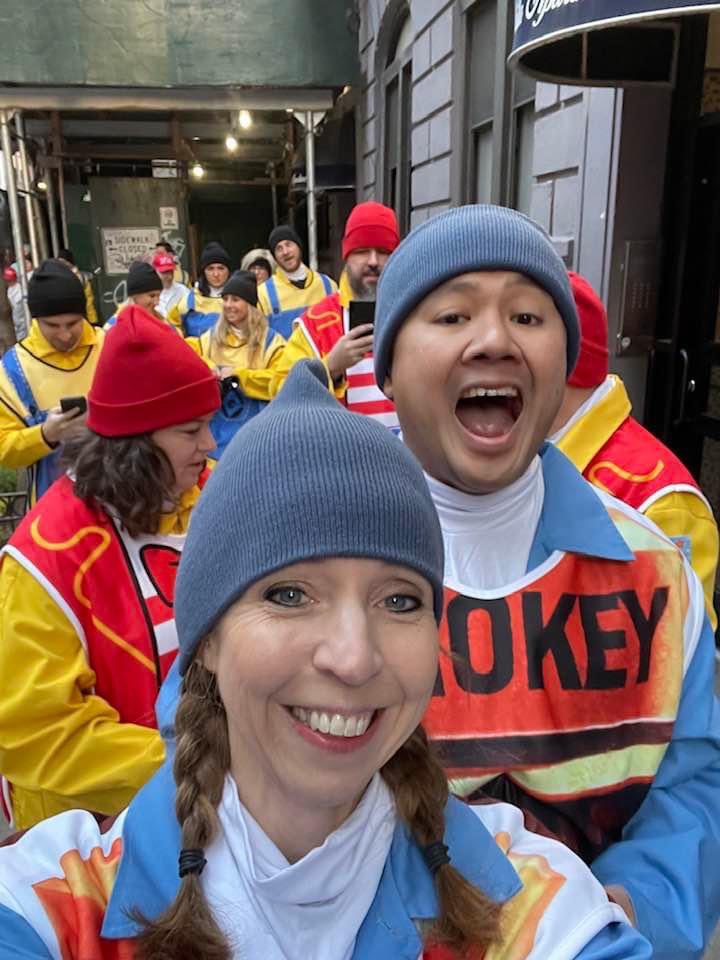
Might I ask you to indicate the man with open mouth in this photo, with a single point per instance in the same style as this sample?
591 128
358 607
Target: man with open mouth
580 681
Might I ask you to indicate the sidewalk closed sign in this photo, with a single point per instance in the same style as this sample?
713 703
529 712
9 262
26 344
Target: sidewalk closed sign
596 42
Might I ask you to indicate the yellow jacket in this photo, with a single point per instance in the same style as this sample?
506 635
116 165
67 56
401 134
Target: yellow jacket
283 303
614 452
54 730
233 353
90 309
51 375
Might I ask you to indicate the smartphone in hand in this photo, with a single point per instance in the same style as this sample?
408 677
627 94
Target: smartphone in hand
76 404
361 312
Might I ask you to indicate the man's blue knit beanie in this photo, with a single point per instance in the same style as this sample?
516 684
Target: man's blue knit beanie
304 480
465 239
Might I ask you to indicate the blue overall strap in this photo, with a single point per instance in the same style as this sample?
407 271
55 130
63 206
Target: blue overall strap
272 294
327 284
16 376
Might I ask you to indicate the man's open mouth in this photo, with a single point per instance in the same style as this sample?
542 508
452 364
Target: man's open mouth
489 412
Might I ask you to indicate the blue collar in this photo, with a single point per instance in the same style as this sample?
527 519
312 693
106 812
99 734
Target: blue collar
573 519
147 877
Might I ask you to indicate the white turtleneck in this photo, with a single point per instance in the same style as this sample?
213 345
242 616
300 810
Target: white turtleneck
297 276
215 291
270 909
488 536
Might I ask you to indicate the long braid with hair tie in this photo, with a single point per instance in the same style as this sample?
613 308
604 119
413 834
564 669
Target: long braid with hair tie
435 856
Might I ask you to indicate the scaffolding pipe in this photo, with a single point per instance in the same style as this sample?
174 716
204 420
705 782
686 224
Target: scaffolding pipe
310 188
25 185
63 210
52 211
16 224
273 188
41 227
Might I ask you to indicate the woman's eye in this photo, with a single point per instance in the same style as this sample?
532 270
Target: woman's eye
286 596
402 603
527 319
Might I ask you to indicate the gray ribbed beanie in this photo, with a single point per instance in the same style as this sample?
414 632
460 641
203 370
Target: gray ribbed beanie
303 480
474 237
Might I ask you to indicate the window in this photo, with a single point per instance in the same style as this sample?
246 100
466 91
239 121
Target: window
523 131
397 89
481 24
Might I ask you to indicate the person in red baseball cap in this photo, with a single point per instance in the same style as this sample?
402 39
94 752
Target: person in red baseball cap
595 429
172 290
328 330
87 581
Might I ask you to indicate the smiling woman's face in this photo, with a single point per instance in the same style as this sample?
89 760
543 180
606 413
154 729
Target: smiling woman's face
478 374
325 669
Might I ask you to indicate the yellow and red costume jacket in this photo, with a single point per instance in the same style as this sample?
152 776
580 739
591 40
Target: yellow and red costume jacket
34 377
87 635
618 455
314 335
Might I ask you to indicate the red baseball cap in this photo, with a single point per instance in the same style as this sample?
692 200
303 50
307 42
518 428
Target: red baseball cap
163 262
9 275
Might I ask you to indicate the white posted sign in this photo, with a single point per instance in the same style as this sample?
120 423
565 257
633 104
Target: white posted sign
122 245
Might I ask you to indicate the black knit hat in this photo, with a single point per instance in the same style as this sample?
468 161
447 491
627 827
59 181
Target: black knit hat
242 284
142 279
53 290
215 253
283 232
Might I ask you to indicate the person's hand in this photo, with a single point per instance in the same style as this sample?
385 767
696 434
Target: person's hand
59 426
349 350
222 372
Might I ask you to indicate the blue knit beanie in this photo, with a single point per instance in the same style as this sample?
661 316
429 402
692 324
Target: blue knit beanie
475 237
303 480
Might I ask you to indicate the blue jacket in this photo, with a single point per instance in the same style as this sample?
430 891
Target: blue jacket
137 860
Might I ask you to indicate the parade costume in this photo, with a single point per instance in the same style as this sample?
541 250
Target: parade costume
582 691
614 452
253 392
315 334
370 225
88 635
283 302
70 882
34 376
86 626
201 307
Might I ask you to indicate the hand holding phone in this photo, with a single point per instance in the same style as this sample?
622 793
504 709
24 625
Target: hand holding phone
361 312
77 404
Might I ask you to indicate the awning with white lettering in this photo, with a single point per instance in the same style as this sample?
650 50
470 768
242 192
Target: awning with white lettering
600 42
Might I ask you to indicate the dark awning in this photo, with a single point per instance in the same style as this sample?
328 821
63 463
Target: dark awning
600 42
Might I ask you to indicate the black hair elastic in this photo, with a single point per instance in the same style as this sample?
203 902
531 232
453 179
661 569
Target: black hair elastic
191 861
435 856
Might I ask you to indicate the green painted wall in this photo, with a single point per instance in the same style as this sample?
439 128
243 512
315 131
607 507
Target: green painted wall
154 43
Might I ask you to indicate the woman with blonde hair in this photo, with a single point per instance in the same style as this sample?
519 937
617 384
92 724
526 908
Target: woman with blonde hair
244 351
301 812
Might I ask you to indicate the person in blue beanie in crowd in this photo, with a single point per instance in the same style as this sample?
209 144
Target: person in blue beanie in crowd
303 814
581 682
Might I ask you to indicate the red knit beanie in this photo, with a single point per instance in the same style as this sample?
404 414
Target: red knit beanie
147 378
370 225
592 363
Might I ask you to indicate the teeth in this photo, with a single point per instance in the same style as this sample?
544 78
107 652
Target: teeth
335 724
473 392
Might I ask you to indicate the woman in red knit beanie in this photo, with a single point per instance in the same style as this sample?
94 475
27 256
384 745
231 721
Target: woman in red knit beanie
87 582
